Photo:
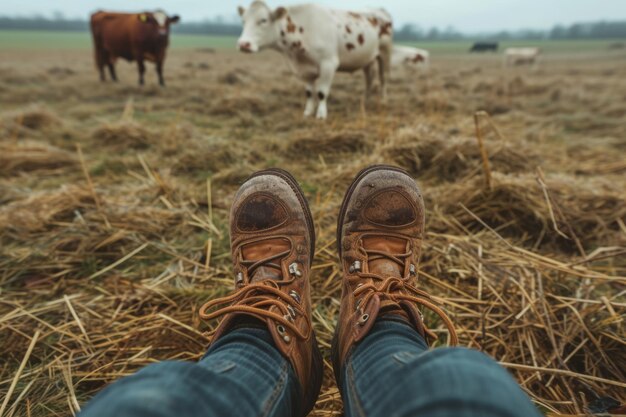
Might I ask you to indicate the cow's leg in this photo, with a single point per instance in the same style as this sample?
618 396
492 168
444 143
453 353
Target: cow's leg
159 69
322 86
309 107
142 67
112 70
99 55
369 78
102 76
381 77
107 60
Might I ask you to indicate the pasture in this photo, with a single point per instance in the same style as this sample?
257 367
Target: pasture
114 204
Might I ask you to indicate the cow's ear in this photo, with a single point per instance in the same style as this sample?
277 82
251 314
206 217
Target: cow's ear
174 19
241 10
279 13
142 17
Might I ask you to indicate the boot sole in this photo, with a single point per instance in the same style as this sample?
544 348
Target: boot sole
346 198
293 183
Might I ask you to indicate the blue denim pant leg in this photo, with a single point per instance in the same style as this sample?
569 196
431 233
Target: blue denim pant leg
391 373
242 374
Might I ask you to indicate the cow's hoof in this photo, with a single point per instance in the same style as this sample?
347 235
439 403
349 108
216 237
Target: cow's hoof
309 109
321 111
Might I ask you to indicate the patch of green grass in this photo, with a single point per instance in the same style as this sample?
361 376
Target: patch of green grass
47 39
309 188
44 39
202 41
546 45
41 39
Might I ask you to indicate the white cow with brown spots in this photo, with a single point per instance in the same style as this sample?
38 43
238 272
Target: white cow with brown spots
521 56
410 58
318 42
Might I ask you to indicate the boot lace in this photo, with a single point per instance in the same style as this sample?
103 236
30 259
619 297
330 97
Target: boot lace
396 289
257 298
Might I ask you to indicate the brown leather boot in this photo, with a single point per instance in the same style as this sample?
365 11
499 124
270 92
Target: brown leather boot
272 243
379 237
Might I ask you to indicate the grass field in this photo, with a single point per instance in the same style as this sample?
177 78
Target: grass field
38 40
114 205
34 40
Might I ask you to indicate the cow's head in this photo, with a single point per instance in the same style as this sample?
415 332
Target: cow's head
260 26
159 21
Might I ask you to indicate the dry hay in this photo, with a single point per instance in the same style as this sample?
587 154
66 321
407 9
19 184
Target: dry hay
42 210
212 156
61 72
546 320
32 156
519 86
35 117
91 233
235 174
103 279
430 155
124 134
327 143
27 121
236 76
562 211
593 122
236 105
594 161
9 193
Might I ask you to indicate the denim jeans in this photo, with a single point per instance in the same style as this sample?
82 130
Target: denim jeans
390 373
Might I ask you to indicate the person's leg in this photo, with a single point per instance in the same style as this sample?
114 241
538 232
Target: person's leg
380 354
243 374
392 373
264 359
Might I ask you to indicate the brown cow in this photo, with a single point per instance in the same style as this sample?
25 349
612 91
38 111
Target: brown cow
132 36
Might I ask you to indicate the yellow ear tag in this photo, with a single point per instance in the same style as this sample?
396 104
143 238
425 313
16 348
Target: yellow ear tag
143 18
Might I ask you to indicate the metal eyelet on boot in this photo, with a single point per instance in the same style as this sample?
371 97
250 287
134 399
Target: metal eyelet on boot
293 270
358 303
363 319
239 278
356 266
412 270
295 296
283 333
292 312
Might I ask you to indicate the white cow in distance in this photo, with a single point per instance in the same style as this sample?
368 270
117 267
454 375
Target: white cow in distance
410 58
521 56
319 41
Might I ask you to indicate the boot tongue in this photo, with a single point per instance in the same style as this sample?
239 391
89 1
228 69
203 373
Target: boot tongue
263 250
384 266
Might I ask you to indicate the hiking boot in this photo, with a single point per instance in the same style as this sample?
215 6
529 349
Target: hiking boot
379 237
272 244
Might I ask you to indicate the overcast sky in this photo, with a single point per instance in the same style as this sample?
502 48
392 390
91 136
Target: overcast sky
464 15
